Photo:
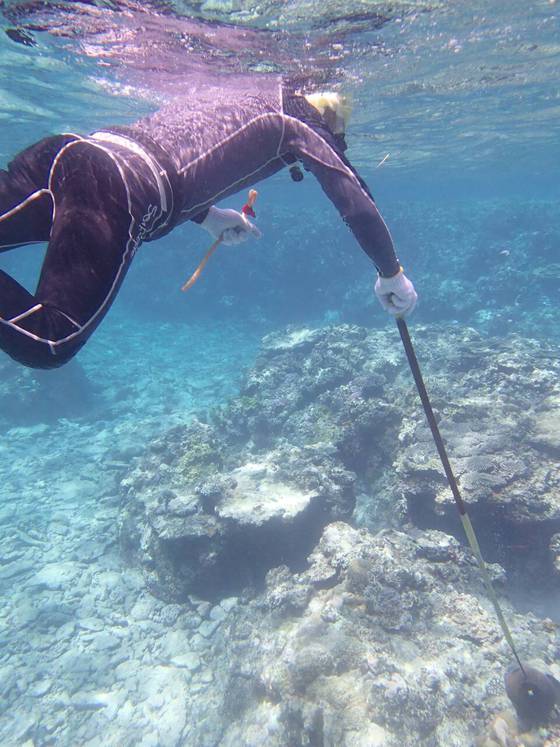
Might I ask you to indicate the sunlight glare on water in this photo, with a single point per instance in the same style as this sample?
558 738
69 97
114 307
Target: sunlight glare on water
445 85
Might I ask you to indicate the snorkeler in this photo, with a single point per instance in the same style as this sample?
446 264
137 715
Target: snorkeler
96 198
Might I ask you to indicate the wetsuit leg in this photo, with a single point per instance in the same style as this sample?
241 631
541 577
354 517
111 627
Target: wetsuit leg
93 238
25 201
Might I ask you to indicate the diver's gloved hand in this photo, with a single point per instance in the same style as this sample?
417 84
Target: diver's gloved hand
396 294
229 226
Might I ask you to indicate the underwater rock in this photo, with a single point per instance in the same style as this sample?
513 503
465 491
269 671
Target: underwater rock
317 388
194 529
497 405
555 551
505 731
328 422
213 506
545 430
344 665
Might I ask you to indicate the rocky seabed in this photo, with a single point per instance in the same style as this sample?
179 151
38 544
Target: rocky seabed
283 570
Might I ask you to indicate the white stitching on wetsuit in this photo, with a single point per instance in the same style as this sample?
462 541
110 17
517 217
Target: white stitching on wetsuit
344 168
22 204
72 321
281 101
51 171
155 167
278 149
284 117
227 139
193 208
21 316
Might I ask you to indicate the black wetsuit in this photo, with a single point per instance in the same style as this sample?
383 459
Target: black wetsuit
95 199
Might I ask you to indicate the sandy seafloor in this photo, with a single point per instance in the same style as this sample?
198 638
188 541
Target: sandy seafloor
84 657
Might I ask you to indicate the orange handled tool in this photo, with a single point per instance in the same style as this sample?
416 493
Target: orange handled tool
247 209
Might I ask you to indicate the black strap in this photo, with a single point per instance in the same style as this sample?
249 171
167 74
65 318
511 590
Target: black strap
468 527
415 368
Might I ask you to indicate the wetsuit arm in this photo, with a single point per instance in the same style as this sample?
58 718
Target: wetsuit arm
319 152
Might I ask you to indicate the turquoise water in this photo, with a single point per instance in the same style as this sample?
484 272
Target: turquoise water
456 130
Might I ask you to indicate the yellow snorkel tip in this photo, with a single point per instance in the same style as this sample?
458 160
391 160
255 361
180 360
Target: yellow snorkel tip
334 107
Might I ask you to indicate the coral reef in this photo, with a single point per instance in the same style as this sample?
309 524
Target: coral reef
384 640
318 603
215 505
498 402
327 423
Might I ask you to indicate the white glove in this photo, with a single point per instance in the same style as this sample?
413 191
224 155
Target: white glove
396 294
229 226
